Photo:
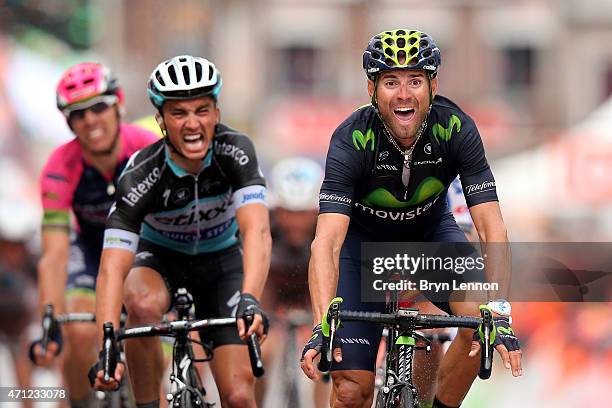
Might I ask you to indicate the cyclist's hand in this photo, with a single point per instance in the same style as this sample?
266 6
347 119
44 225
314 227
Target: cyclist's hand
311 350
96 376
36 354
505 342
249 306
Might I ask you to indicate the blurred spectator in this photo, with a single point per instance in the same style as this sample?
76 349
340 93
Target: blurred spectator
295 184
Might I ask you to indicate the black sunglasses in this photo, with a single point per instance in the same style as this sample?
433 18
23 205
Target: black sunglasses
98 108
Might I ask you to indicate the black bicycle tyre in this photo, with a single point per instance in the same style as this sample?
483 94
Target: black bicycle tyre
406 398
380 399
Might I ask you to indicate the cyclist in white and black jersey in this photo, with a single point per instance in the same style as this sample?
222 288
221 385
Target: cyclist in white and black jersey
190 211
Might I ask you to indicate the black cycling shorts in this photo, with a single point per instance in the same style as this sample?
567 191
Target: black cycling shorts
214 280
360 340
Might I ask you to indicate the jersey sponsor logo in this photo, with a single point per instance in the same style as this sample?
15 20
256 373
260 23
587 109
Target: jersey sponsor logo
386 167
479 187
57 177
381 197
334 198
181 196
256 196
233 151
144 255
143 187
194 215
427 148
445 133
383 155
360 141
397 215
423 162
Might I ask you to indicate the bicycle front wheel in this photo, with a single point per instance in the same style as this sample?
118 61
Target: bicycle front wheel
406 399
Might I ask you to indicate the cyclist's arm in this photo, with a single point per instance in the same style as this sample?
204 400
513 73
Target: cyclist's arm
494 242
254 225
52 268
324 261
115 264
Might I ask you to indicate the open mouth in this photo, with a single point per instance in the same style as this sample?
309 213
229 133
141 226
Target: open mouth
95 134
404 114
193 138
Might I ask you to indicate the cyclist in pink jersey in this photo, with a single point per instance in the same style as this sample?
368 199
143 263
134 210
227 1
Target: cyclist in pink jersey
80 178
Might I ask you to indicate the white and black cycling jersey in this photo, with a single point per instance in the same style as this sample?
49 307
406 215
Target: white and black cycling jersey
189 213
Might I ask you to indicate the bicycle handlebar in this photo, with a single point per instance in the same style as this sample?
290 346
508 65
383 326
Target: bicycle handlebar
181 326
410 320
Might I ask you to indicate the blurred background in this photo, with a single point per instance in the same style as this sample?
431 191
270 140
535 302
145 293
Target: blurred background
536 76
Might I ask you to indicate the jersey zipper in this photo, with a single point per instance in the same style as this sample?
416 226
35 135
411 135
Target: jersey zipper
197 215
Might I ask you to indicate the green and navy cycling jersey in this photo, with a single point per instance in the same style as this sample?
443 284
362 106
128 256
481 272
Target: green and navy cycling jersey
363 174
189 213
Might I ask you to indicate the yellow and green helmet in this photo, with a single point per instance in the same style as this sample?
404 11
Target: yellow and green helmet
401 49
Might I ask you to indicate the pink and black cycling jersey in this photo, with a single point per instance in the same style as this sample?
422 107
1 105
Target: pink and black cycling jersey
68 183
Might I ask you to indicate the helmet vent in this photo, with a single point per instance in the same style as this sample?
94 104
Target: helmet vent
71 87
400 32
375 55
389 61
401 57
160 79
389 41
88 81
412 40
427 54
198 71
413 51
424 44
389 52
401 42
211 72
172 73
186 75
378 45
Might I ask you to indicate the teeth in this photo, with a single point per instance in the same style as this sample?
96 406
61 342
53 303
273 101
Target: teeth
192 138
96 133
404 109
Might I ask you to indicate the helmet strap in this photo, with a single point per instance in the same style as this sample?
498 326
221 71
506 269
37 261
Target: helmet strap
167 139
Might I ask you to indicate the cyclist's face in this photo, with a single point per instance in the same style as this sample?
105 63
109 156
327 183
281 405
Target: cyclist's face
96 127
190 125
403 101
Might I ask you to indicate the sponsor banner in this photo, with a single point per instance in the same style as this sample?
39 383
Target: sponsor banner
529 272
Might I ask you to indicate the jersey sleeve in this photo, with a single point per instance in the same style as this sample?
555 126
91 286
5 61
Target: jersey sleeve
241 166
58 181
343 167
476 176
135 192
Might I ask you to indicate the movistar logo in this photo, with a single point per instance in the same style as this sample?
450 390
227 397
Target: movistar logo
361 142
428 188
440 132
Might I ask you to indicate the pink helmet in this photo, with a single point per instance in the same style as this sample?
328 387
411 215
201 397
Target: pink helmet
84 81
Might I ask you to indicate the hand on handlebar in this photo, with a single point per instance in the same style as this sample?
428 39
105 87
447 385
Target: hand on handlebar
97 377
505 342
322 335
44 350
249 308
